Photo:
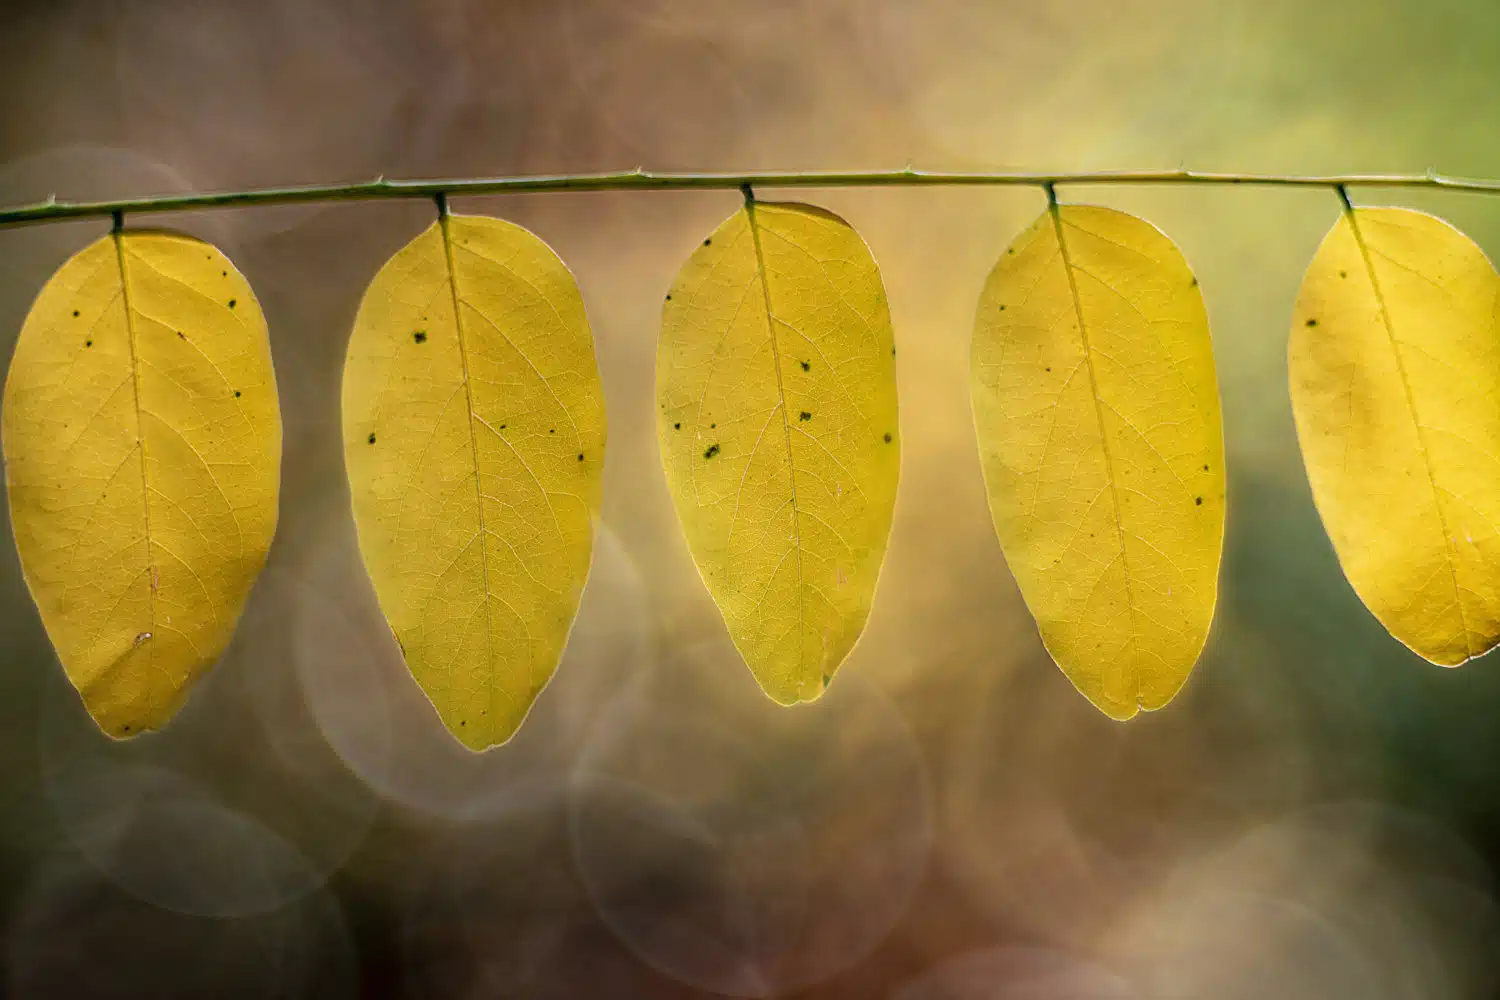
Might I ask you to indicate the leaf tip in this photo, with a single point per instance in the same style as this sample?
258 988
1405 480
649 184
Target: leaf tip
486 732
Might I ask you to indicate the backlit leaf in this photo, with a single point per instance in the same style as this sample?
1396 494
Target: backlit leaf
1100 435
776 380
143 446
474 438
1395 382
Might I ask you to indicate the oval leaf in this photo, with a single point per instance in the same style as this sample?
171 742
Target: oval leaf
143 445
1097 410
1395 381
776 379
474 438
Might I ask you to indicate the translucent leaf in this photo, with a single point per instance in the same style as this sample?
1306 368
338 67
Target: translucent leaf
776 379
1395 382
474 438
143 447
1100 435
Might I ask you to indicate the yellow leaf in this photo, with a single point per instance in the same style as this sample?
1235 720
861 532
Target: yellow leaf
776 379
474 439
143 447
1100 434
1395 382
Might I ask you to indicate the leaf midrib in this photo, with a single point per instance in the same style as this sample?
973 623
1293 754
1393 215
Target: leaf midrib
786 426
1109 465
140 435
1411 408
463 360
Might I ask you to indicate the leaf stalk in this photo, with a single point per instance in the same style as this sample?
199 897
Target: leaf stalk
54 210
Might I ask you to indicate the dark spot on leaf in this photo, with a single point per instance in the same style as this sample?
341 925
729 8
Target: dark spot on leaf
126 729
713 450
804 415
1010 250
1193 283
1205 468
827 679
463 722
1198 501
232 302
669 296
551 430
181 335
372 437
1049 369
580 456
420 336
893 352
807 366
223 274
712 426
1312 322
88 343
236 394
677 426
1343 274
708 241
75 312
502 427
887 437
1002 309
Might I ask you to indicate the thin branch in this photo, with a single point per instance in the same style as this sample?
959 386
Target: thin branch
53 210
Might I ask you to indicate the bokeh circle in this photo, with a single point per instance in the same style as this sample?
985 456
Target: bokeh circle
743 847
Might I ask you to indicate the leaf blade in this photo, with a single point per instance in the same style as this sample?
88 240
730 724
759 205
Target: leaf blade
141 406
778 427
474 433
1394 370
1097 412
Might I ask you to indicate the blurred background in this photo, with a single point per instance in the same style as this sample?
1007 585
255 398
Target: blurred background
1316 815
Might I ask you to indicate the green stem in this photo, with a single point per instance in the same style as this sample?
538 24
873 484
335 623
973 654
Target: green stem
53 210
